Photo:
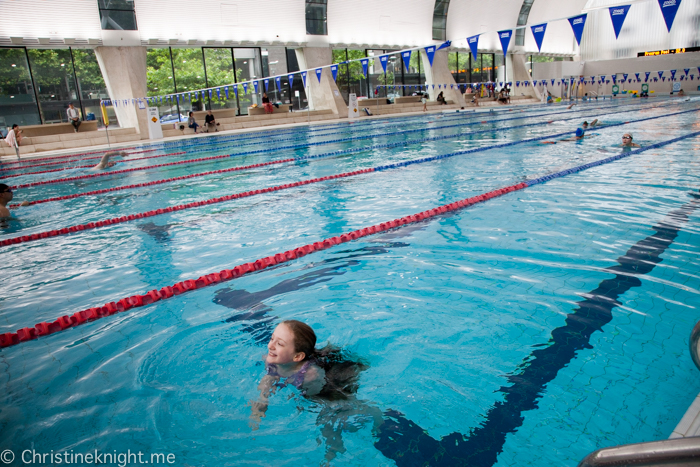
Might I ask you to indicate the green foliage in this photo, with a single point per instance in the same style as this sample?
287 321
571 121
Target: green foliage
13 80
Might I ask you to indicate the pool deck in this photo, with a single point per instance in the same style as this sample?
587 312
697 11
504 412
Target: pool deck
690 423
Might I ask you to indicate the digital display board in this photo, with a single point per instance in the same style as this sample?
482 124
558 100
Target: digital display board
668 51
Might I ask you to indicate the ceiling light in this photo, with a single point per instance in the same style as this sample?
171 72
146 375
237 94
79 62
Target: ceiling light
14 64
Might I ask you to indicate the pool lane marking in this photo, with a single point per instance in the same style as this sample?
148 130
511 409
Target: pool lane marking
135 301
270 150
481 447
298 146
236 139
253 135
317 156
89 166
131 217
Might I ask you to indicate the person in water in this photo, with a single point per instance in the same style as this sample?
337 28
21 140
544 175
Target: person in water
104 162
325 376
580 134
627 141
6 196
592 124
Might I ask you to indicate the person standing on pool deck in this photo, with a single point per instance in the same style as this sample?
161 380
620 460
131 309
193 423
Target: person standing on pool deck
73 116
14 137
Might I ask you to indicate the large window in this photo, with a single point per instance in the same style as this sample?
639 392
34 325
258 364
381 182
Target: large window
91 85
274 62
189 76
218 72
316 17
522 21
117 14
17 99
465 69
440 20
350 78
55 81
160 81
36 85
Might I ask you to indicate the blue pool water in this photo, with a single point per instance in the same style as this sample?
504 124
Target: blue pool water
453 315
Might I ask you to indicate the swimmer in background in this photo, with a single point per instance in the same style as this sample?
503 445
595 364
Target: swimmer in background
627 141
580 134
323 376
592 124
104 162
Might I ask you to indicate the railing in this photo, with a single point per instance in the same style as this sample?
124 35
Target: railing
677 452
695 344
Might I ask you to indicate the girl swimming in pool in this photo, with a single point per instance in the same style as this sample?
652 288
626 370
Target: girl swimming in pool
327 376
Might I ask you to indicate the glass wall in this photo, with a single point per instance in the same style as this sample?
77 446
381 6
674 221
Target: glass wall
160 81
274 63
17 100
350 77
189 76
298 94
316 17
440 19
219 73
91 85
248 67
117 14
55 80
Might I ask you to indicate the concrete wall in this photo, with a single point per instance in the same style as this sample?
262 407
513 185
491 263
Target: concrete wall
629 66
124 72
439 73
323 95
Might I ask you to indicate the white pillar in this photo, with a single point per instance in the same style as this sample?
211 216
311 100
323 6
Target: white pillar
439 73
326 94
124 72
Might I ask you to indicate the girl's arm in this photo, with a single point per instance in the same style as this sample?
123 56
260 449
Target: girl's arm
259 407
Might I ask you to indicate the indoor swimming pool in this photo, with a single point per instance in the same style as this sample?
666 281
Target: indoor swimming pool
527 329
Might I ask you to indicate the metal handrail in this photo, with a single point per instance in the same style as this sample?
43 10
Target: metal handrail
695 344
677 452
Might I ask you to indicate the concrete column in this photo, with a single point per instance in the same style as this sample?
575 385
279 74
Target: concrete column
324 95
521 73
124 72
439 73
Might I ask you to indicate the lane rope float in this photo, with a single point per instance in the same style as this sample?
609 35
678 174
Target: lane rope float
136 301
269 150
317 156
131 217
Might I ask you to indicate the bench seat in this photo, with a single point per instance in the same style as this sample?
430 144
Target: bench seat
56 129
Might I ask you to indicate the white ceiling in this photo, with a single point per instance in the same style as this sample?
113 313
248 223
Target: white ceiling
357 23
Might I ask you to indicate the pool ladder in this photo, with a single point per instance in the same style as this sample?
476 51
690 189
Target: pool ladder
672 452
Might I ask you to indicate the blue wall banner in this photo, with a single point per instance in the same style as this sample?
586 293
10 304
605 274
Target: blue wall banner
577 24
383 60
364 62
505 36
669 8
406 59
430 52
538 32
473 45
318 74
618 15
334 72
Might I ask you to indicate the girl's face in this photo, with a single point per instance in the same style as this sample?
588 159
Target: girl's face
280 349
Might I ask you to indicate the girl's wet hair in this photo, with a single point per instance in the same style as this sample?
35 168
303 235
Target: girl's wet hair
342 370
304 337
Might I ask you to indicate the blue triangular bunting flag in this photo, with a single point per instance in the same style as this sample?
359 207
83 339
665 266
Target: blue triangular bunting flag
473 45
538 32
669 8
577 24
618 15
